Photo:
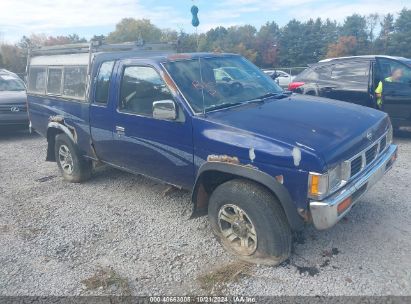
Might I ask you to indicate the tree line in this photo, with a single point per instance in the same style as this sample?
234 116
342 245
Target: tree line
295 44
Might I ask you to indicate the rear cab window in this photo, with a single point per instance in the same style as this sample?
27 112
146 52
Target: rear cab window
74 83
67 82
37 80
103 83
55 76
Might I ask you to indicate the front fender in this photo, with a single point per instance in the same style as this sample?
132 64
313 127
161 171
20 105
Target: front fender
232 170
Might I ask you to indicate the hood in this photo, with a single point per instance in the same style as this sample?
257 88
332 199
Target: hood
333 130
12 97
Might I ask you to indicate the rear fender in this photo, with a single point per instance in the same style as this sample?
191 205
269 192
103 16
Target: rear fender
55 127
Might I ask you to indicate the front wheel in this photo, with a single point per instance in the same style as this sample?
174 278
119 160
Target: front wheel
72 165
250 223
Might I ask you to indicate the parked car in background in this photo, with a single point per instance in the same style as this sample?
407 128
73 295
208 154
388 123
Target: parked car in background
261 162
13 110
230 74
355 79
282 78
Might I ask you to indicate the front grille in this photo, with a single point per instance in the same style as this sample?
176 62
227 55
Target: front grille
356 165
371 154
383 143
6 109
367 156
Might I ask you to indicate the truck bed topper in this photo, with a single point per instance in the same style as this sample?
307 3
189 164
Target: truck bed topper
96 46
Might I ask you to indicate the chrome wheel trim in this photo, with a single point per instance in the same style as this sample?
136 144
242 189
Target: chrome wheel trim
237 229
65 159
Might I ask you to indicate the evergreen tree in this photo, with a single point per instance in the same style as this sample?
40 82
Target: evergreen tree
401 38
356 26
384 38
291 44
267 44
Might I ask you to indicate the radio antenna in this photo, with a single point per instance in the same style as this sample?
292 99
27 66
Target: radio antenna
196 22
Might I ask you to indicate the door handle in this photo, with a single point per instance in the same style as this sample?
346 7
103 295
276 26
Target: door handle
120 130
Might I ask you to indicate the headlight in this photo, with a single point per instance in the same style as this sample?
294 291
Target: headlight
334 178
320 185
389 135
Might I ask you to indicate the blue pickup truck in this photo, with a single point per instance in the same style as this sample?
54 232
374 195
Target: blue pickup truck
261 162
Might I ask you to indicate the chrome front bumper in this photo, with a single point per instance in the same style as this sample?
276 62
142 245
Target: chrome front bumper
325 213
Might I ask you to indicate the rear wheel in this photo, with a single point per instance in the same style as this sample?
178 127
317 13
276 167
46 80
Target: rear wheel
250 223
72 165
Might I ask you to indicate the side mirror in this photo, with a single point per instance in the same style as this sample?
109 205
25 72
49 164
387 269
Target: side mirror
164 109
226 79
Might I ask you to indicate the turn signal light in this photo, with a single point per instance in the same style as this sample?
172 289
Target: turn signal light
344 205
317 185
315 179
394 157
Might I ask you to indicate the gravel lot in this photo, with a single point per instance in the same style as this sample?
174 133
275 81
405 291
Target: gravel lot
123 234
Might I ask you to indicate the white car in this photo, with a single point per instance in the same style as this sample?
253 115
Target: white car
280 77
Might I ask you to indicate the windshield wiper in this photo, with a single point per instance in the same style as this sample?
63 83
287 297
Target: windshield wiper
258 99
222 106
269 95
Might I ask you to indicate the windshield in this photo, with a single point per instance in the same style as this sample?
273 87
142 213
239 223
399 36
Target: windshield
221 82
11 83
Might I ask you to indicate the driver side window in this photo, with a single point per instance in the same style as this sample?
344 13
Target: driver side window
140 87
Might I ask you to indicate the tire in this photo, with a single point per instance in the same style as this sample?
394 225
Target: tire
262 215
72 165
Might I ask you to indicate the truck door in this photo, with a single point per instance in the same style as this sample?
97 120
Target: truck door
162 149
101 111
396 95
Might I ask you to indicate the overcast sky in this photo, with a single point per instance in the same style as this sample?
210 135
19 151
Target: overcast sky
87 18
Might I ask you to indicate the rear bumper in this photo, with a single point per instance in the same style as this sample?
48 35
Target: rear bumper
325 213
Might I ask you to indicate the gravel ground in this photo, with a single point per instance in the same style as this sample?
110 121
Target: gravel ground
123 234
